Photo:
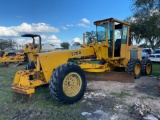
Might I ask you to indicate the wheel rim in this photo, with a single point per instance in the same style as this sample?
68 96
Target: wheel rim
137 68
148 68
72 84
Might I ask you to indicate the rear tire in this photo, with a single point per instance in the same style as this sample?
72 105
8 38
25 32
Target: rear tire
134 66
146 66
68 83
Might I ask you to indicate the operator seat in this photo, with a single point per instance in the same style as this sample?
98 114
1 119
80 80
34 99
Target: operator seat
117 48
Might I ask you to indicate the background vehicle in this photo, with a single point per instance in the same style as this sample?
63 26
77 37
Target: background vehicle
11 56
64 70
155 56
148 50
144 54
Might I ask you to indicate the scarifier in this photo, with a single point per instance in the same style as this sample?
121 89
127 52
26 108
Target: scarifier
66 70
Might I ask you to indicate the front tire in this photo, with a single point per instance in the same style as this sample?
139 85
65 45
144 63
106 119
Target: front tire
134 66
68 83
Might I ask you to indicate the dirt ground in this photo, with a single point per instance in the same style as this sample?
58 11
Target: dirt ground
107 100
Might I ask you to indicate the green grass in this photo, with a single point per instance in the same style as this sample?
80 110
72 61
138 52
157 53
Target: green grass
156 69
40 107
121 94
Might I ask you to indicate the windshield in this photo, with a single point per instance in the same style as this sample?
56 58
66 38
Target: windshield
101 32
102 36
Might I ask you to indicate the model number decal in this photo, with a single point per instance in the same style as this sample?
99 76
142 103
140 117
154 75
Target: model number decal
76 53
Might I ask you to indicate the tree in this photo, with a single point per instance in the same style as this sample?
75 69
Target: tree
145 23
7 43
76 44
65 45
90 36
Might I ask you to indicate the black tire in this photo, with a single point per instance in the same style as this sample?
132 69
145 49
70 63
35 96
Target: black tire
146 66
59 81
132 67
30 66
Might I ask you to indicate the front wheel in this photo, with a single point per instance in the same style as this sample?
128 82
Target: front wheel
134 66
68 83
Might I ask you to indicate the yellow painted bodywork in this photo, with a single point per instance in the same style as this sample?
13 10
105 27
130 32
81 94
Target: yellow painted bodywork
23 84
31 52
48 60
46 63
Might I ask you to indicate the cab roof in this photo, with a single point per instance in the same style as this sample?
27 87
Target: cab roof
30 35
110 20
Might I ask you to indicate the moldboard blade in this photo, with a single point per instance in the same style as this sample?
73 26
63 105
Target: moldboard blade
111 76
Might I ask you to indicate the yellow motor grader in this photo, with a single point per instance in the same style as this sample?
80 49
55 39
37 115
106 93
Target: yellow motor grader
27 54
66 71
7 57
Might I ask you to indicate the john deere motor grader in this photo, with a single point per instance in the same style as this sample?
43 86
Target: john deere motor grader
67 79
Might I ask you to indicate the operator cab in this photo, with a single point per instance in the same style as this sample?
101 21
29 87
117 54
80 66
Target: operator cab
116 33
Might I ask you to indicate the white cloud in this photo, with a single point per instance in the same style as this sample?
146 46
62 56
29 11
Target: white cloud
64 28
53 39
77 40
83 25
69 25
85 20
7 31
27 28
22 41
35 28
43 37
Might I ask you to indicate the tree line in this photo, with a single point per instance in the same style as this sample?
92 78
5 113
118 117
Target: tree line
145 22
9 43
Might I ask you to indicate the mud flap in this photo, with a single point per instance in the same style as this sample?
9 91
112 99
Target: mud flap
111 76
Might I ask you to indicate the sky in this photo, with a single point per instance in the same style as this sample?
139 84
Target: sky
57 21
